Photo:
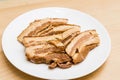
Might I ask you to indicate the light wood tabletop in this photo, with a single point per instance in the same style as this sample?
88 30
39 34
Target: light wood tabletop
105 11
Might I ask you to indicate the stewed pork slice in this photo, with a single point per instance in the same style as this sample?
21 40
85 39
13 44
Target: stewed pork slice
67 36
67 40
84 50
82 44
34 52
70 32
40 25
31 41
60 29
28 41
48 54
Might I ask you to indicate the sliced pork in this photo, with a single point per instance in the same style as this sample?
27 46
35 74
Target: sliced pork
55 42
40 25
82 44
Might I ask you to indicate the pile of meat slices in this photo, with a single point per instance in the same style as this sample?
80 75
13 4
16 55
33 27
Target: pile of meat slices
55 42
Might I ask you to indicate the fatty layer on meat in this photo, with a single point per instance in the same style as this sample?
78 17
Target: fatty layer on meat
30 41
38 54
78 48
60 29
39 25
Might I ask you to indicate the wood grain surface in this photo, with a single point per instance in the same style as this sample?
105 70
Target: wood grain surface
106 11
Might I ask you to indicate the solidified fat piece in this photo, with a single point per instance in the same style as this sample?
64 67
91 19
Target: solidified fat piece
82 44
39 25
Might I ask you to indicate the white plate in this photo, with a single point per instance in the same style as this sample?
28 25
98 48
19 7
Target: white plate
14 51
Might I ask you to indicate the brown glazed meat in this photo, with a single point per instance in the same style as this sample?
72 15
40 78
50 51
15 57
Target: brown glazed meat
55 42
40 25
82 44
48 54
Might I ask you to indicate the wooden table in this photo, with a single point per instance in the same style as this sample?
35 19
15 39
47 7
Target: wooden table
106 11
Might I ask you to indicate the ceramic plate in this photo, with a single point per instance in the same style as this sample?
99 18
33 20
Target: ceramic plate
14 51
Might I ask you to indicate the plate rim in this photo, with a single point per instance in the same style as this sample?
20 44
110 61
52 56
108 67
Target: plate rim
56 8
